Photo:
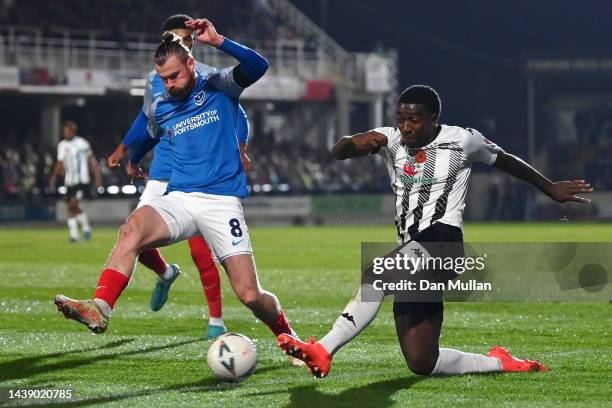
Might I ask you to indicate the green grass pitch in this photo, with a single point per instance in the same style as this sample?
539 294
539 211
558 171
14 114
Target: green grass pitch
158 359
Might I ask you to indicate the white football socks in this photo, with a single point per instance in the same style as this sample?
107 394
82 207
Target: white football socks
73 228
167 273
294 334
355 317
216 321
84 222
458 362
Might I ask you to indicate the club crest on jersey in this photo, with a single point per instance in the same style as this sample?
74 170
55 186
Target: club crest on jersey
199 98
413 166
410 169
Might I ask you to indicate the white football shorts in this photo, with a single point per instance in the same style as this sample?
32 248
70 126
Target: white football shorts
153 189
219 219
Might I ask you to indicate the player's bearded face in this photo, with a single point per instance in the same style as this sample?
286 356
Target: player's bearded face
415 123
178 76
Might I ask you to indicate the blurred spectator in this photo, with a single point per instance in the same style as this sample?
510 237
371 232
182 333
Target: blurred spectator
297 168
278 168
590 155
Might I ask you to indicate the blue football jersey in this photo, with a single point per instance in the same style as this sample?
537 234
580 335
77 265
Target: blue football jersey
161 167
201 132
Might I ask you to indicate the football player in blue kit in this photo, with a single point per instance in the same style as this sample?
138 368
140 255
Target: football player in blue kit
159 174
198 114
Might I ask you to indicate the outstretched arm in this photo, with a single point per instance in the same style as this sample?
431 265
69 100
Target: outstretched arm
140 147
136 132
561 191
358 145
252 65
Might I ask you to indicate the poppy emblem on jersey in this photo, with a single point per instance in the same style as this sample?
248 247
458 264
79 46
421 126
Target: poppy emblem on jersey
199 98
420 156
409 169
170 134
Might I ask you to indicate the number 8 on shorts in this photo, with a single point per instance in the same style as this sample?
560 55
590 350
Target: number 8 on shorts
235 225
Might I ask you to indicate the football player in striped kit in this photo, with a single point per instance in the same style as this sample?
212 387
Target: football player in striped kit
429 166
75 159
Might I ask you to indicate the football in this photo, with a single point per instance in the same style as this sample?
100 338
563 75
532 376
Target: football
232 357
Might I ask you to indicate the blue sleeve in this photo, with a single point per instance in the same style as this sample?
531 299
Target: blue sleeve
142 147
252 65
138 129
242 126
148 139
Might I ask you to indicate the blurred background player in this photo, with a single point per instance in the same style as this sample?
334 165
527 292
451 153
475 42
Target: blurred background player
159 174
204 197
75 159
429 167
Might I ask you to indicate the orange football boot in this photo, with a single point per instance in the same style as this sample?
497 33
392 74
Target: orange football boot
511 364
317 359
83 311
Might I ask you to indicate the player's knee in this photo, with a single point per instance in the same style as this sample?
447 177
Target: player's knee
73 205
129 235
250 298
420 364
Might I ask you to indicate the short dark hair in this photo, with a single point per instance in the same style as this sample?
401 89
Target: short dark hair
422 95
71 124
174 22
171 45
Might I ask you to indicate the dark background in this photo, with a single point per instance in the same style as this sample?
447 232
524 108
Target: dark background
471 52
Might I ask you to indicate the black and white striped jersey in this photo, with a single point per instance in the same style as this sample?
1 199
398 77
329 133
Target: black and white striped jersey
430 182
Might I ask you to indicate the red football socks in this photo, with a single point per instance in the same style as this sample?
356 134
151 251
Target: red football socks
153 259
110 286
209 275
281 325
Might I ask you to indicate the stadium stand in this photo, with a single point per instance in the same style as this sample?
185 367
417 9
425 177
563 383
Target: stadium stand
55 47
54 66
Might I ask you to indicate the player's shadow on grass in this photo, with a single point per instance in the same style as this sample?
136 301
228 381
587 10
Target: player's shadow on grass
13 369
377 394
30 366
204 385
